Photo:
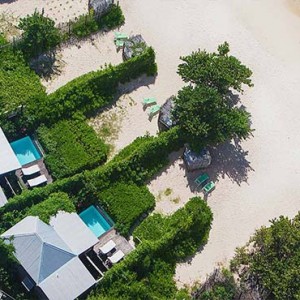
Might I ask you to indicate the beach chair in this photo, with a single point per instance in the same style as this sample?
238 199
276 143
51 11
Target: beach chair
116 257
31 170
208 187
153 110
120 36
119 43
109 246
149 101
37 181
202 179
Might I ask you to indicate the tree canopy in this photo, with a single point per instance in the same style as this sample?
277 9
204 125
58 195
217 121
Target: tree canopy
218 70
39 34
205 118
272 259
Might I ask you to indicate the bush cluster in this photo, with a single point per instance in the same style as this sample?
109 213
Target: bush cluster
44 210
91 91
71 146
147 273
134 167
88 24
126 203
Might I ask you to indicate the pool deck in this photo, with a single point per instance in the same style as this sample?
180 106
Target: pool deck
121 243
43 171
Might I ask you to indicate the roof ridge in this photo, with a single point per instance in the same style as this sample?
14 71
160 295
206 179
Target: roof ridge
60 249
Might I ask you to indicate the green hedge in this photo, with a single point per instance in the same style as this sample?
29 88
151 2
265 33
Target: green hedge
88 24
91 91
126 203
44 210
71 146
147 273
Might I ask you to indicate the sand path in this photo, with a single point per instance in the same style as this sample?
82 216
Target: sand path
265 36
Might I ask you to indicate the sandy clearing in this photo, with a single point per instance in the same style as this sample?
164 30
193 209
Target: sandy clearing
58 10
262 183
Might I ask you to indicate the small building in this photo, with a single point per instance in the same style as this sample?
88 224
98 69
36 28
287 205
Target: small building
100 7
165 119
196 160
49 255
134 46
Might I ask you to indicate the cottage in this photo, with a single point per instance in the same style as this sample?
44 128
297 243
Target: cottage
100 7
134 46
165 119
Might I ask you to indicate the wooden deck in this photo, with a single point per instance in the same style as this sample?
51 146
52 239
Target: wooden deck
43 171
121 243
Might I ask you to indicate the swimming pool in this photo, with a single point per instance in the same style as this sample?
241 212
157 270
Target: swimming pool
25 150
95 221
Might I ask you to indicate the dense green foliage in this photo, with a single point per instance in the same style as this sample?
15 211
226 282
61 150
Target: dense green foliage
19 86
71 146
272 259
44 210
39 34
147 273
216 70
126 203
205 118
220 285
93 90
9 282
88 24
135 167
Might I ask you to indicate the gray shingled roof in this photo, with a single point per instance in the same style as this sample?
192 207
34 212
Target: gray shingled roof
38 248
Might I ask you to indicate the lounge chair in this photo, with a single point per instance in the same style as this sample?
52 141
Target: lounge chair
149 101
202 179
153 110
208 187
30 170
107 247
116 257
120 36
37 181
119 43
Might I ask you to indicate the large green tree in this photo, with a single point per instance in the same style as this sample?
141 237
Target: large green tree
272 259
205 118
39 34
218 70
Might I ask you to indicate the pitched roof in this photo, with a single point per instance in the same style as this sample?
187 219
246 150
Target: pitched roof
8 159
68 282
38 248
73 231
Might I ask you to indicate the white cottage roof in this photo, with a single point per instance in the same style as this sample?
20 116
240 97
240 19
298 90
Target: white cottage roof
73 231
8 159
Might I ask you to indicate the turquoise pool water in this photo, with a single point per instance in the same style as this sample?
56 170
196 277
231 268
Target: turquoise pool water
25 150
95 221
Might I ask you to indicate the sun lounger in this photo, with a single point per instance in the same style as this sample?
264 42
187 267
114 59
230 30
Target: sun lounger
37 181
31 170
120 36
200 180
149 101
116 257
208 187
153 110
119 43
107 247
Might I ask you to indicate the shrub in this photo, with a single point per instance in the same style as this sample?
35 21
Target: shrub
71 146
91 91
147 272
84 26
126 203
44 210
113 18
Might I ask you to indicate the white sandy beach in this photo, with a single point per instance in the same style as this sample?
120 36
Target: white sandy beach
253 186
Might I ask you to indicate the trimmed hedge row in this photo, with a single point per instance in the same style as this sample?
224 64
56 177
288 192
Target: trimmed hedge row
147 273
126 203
135 168
88 24
71 146
91 91
44 210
